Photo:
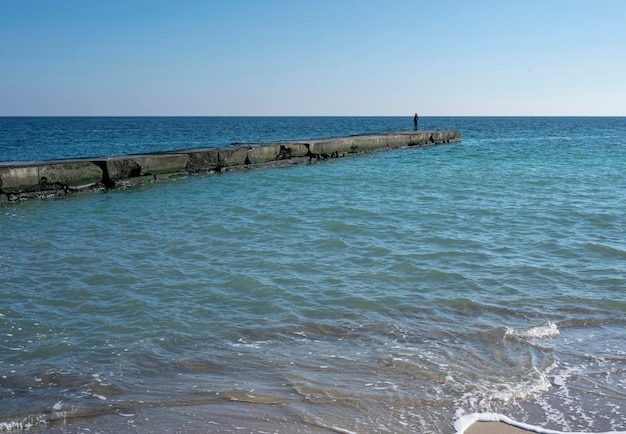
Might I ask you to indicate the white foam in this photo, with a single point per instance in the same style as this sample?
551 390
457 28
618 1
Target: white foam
14 426
544 331
243 343
11 426
464 421
487 393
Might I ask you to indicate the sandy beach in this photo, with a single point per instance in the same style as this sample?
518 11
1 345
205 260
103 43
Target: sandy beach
494 428
490 423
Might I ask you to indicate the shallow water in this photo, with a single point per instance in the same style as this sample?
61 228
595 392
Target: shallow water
392 292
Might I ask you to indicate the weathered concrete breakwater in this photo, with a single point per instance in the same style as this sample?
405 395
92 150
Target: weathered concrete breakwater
28 179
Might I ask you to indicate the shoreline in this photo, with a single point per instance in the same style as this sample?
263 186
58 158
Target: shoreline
493 423
21 180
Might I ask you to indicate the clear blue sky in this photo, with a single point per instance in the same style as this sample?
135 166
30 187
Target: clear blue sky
292 57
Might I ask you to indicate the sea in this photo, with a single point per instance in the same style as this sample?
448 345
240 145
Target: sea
399 291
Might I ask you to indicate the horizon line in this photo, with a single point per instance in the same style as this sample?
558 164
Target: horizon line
298 116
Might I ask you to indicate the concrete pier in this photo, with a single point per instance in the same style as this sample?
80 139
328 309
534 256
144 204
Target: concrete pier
31 179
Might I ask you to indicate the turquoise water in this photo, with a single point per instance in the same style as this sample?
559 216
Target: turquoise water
391 292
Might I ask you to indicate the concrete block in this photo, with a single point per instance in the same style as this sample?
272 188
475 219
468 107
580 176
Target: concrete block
418 138
120 167
159 164
394 142
371 143
75 175
331 146
263 154
201 160
295 149
436 137
14 179
229 157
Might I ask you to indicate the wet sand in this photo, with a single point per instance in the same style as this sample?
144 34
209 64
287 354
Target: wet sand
494 428
504 425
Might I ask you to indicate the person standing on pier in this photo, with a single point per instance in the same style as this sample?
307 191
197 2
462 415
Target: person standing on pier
415 119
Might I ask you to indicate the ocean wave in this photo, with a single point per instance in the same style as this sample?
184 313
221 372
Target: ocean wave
12 426
47 418
544 331
31 421
486 394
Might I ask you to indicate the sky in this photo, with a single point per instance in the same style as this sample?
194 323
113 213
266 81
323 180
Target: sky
312 58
